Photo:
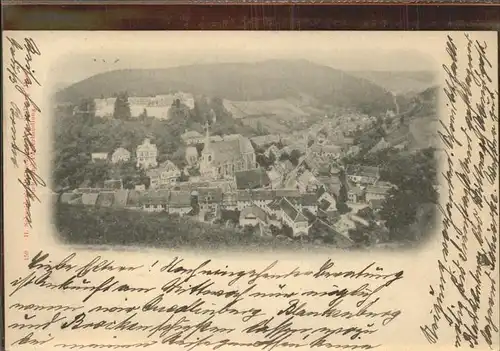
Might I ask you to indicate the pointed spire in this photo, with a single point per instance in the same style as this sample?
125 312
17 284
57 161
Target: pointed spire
207 136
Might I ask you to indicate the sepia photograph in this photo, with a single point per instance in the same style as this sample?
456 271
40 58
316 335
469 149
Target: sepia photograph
251 190
221 143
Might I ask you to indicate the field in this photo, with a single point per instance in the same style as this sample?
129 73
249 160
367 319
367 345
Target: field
275 116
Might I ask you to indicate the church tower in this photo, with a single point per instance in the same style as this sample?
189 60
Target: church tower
207 154
206 169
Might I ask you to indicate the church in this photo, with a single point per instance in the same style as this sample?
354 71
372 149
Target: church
221 159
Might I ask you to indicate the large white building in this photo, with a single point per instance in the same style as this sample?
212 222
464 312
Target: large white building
147 154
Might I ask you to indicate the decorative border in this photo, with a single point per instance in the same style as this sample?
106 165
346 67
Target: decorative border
126 16
254 2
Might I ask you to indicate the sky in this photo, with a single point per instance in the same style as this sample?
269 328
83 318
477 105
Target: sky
84 54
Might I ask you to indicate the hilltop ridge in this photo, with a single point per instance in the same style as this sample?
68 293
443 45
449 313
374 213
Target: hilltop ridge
261 81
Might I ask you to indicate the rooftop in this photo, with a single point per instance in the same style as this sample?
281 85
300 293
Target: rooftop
210 195
377 190
253 210
252 179
105 199
291 211
227 151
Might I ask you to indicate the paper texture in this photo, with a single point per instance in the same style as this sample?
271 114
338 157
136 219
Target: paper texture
251 190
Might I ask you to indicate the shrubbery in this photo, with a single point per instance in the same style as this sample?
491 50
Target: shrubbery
78 224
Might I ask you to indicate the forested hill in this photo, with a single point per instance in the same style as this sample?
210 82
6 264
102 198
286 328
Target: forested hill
400 82
275 79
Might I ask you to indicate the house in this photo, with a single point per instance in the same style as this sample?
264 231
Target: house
288 193
191 155
166 174
252 179
262 198
133 199
226 185
355 194
179 202
99 156
105 199
120 198
294 218
363 174
154 200
209 199
223 158
120 155
252 215
259 197
379 191
326 201
147 154
140 187
243 199
89 199
113 184
192 137
191 185
230 201
307 201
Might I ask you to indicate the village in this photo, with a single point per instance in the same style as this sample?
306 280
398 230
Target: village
295 186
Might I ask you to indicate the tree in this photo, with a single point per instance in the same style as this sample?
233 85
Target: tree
342 197
86 110
271 158
264 161
122 107
144 115
284 156
96 173
260 129
342 207
294 157
399 210
195 205
359 236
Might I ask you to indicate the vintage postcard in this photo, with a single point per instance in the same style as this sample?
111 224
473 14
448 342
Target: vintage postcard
230 190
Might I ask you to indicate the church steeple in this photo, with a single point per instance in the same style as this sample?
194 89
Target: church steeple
207 137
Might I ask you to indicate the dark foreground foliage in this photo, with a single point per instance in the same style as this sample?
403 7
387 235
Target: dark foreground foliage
78 224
